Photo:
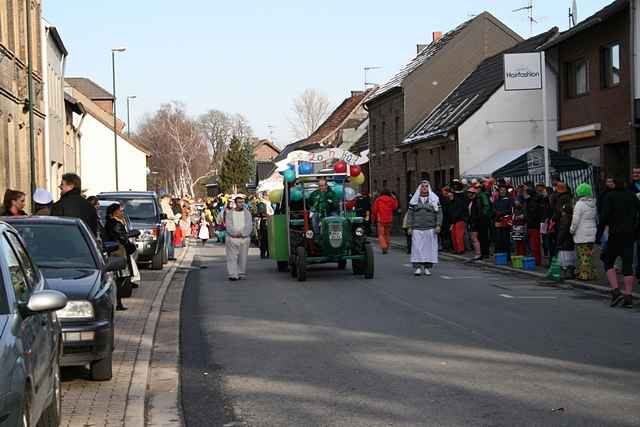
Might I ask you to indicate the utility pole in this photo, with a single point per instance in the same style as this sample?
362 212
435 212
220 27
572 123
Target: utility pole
31 100
115 117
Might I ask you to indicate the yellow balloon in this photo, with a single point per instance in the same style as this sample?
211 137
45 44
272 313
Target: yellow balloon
358 180
275 196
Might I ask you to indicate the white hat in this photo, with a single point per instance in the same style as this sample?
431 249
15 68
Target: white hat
42 196
239 196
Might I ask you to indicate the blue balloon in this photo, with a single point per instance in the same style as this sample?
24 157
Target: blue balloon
340 178
289 175
296 194
338 190
305 168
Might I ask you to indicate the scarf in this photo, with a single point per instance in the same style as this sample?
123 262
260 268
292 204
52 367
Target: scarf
433 199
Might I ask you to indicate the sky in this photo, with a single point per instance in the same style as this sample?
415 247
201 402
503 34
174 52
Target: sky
254 57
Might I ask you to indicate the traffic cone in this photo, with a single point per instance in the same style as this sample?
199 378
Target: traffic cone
554 270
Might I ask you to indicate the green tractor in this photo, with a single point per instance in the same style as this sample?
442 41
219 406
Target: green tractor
315 235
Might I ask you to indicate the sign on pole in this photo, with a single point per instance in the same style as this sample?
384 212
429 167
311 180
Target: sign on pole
526 71
522 71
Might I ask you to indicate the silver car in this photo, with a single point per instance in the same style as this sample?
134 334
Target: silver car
30 339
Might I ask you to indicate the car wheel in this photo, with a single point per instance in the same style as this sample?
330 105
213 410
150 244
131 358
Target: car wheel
342 264
368 262
283 266
165 254
156 261
52 415
301 264
101 370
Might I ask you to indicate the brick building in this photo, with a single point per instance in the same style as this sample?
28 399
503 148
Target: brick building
264 150
14 116
397 106
594 91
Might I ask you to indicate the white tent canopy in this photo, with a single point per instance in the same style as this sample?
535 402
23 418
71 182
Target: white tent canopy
486 167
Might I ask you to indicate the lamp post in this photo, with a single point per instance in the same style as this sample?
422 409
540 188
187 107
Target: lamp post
128 116
115 117
31 100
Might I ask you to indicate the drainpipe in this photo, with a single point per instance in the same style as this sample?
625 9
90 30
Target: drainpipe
32 100
633 149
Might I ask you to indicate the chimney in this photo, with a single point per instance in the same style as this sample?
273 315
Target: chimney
437 35
420 47
356 93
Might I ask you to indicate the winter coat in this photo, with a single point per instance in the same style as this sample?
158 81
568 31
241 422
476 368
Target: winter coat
620 212
116 231
459 208
503 207
584 224
424 216
533 211
565 240
383 209
166 209
559 199
475 213
73 205
7 212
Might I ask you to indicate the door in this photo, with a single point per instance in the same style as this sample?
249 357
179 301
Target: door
616 161
36 330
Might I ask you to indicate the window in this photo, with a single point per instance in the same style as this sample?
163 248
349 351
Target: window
139 209
452 174
18 278
29 270
578 78
384 135
611 65
396 129
373 138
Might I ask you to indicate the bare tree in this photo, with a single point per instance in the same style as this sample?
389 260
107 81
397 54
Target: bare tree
310 109
218 128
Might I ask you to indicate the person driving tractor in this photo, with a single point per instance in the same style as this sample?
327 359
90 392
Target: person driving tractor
323 203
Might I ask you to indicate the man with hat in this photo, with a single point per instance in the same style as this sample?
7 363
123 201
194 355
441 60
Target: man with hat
42 201
239 225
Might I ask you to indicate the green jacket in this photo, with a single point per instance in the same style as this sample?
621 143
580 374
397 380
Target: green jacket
486 207
323 203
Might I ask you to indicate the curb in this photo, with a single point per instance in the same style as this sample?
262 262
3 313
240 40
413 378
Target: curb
576 284
136 397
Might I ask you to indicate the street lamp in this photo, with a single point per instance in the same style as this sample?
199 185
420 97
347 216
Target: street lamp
129 117
115 117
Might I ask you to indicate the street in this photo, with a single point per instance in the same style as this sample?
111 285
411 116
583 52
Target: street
462 347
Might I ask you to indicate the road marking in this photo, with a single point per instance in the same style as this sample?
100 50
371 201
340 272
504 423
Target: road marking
459 277
532 297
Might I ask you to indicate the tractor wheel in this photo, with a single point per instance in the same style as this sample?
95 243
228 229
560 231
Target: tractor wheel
356 264
368 262
342 264
301 264
293 266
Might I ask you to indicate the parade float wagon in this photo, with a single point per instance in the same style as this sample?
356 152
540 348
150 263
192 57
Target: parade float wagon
299 235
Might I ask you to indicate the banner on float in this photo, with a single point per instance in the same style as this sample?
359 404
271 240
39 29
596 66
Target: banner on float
322 156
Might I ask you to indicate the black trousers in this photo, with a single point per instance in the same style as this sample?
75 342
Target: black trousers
483 237
503 241
619 245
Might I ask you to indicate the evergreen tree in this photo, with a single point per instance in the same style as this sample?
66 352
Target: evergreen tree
235 172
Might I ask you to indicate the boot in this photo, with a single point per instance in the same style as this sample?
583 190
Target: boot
628 301
616 297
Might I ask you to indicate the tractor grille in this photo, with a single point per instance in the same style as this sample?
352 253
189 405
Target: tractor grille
335 235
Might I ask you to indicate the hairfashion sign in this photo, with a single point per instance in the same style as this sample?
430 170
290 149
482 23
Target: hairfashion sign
522 71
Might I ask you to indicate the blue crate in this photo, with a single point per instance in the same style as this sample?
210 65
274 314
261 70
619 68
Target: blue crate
501 259
529 263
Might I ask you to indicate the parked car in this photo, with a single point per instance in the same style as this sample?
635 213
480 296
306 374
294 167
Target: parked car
144 211
67 254
30 339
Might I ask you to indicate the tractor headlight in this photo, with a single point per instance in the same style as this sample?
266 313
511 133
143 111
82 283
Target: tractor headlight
309 234
359 232
77 310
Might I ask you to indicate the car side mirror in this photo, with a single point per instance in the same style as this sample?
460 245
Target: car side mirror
44 302
133 234
110 247
163 216
115 263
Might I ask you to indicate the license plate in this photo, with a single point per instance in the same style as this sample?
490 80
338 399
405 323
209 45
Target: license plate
335 235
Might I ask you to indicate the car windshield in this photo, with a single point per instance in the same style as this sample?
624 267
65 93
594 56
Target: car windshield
140 209
57 245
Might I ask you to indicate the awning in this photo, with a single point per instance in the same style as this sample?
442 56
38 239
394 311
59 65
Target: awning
580 132
498 160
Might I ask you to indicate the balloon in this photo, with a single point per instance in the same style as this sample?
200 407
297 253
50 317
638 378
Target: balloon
338 190
289 175
349 193
291 166
340 179
340 166
355 170
307 194
275 196
296 194
358 180
305 168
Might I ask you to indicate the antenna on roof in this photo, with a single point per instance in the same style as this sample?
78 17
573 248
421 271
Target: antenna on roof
573 14
530 18
366 69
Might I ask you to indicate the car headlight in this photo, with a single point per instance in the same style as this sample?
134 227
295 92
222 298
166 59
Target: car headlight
359 232
77 310
309 234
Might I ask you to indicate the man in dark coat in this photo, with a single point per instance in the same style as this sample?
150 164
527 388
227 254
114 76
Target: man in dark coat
73 205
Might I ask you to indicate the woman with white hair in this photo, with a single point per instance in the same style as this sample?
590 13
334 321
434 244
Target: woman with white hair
424 221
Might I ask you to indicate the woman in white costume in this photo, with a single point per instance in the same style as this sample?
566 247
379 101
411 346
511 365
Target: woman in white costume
424 221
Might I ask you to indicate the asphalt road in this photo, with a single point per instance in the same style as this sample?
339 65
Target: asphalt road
464 347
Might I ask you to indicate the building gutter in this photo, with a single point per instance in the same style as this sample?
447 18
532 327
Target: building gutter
633 148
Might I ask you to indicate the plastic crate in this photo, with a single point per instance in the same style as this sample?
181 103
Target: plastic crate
529 263
517 261
501 259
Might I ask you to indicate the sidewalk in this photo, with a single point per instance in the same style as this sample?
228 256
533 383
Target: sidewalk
599 285
121 400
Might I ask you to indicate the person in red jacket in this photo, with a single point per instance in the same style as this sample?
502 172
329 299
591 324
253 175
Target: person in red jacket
382 215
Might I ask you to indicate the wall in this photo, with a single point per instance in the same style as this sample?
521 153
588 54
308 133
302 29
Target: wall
264 153
434 80
508 120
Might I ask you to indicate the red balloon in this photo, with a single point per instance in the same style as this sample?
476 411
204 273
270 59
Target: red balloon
340 167
355 170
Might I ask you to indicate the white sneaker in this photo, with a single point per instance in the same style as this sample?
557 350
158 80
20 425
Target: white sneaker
418 272
427 272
